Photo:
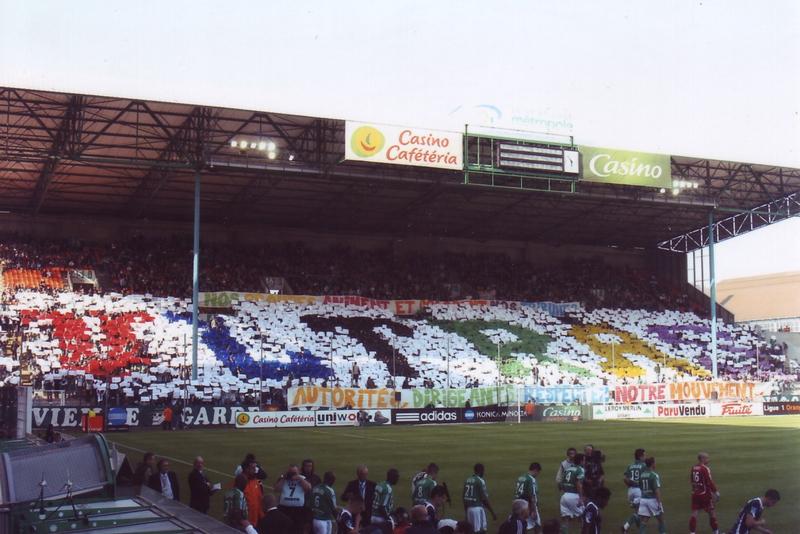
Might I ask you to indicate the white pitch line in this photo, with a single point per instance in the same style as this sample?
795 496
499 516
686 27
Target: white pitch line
351 434
171 458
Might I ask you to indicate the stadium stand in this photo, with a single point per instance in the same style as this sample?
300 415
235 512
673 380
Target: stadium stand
130 340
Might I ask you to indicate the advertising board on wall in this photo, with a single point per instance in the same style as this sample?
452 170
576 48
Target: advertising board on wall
403 145
782 408
682 410
625 167
275 419
353 417
622 411
558 412
422 416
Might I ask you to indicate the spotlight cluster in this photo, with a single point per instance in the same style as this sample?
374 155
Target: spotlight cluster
680 185
262 145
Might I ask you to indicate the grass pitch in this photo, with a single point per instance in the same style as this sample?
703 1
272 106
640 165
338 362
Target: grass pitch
748 455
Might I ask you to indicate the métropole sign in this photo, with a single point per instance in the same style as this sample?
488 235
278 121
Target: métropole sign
611 166
401 145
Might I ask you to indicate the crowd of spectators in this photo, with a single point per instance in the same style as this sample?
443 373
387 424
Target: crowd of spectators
162 268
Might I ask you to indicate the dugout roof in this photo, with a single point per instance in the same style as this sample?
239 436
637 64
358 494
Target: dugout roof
69 154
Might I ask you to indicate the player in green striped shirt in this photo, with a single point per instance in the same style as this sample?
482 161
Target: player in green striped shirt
423 484
527 489
323 504
383 504
631 478
650 504
476 496
572 500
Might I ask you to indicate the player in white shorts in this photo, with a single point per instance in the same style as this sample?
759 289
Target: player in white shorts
476 497
572 484
631 478
650 502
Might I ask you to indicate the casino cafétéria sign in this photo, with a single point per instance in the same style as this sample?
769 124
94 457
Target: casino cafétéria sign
402 145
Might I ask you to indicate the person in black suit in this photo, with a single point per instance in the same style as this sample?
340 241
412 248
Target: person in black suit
275 521
165 481
145 469
363 488
199 487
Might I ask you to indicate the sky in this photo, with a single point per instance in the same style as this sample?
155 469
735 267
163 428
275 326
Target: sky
717 79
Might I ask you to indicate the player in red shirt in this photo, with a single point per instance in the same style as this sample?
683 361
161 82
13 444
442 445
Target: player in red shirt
704 493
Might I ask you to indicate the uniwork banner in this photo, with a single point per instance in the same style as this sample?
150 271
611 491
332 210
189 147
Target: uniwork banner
353 417
624 167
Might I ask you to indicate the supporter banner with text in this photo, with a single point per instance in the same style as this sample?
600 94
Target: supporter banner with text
359 398
343 398
138 416
689 391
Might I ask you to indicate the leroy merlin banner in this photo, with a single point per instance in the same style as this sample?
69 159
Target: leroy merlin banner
611 166
400 145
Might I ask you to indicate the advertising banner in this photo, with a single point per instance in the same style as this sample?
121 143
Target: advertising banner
687 391
682 410
492 414
624 167
622 411
353 417
717 409
275 419
401 145
782 408
411 416
558 412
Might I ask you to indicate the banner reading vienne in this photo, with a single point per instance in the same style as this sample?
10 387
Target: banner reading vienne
400 145
611 166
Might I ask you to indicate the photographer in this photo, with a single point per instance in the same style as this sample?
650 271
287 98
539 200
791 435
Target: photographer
292 487
595 475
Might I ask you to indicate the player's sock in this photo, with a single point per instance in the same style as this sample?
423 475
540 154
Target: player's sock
693 524
662 527
634 520
714 525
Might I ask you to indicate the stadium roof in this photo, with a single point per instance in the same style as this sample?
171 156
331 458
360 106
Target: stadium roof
69 154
